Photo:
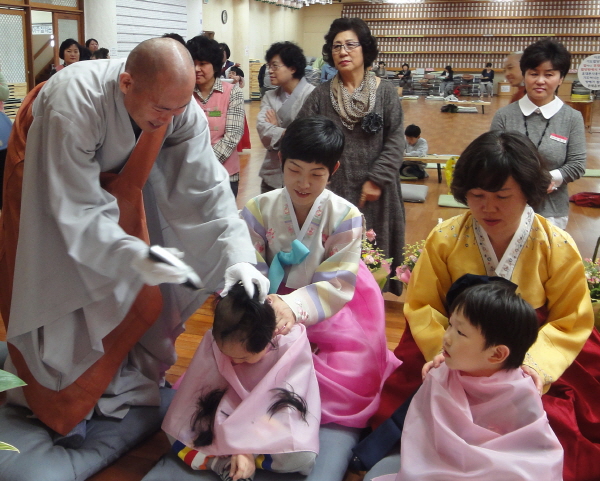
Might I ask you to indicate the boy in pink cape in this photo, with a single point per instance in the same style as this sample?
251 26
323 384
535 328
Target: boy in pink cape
477 415
247 400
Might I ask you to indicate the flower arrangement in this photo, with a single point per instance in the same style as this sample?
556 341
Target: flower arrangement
592 274
412 252
375 259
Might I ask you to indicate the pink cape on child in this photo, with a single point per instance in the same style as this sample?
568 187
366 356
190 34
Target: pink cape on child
353 361
462 427
242 424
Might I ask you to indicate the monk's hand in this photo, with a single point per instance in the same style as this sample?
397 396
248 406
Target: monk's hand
370 192
428 366
154 273
535 376
272 117
249 276
242 466
284 316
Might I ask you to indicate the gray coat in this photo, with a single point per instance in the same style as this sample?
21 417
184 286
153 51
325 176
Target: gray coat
376 157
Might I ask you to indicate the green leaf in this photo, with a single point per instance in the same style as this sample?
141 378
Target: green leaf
7 447
9 381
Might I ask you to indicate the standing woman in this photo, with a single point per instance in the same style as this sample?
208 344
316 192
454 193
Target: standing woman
222 102
556 129
513 75
370 115
285 65
70 52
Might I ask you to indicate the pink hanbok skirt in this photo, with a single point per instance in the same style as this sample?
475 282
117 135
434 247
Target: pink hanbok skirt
352 360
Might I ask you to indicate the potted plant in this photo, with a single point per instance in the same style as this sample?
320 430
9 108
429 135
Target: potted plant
8 381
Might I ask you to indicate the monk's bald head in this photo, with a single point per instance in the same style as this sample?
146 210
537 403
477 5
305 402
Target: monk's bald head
158 82
161 60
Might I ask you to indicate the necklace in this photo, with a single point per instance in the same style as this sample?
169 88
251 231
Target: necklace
543 133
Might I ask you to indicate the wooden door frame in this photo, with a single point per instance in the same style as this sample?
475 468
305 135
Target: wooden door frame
56 16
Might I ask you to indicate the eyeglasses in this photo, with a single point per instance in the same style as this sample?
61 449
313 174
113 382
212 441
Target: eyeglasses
348 46
274 66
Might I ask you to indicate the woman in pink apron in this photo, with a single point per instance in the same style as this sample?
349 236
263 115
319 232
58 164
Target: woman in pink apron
222 102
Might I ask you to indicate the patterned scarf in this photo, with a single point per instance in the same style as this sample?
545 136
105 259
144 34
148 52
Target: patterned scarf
353 107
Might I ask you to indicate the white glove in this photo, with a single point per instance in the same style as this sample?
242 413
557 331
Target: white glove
248 275
154 273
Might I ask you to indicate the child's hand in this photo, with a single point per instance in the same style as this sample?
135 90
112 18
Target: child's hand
242 466
284 316
437 362
537 379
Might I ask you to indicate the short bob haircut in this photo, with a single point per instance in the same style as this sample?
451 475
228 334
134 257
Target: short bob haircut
492 158
488 65
361 29
291 55
413 131
65 45
203 49
405 65
546 50
225 48
90 40
502 317
315 139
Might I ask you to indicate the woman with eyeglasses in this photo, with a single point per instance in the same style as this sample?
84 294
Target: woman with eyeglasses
285 66
368 110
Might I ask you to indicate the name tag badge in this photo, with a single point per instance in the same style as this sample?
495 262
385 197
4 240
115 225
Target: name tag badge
559 138
214 113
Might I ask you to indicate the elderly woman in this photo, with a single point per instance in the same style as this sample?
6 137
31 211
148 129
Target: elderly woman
70 52
285 65
556 129
501 177
222 102
513 75
369 113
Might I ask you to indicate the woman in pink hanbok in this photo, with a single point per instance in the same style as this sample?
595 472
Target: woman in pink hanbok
308 242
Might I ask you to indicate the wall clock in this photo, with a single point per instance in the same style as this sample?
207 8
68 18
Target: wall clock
224 16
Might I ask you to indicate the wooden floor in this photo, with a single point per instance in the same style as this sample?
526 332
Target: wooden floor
446 134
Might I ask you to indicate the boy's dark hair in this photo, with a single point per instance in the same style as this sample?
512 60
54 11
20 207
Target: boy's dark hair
203 49
224 48
412 131
501 315
175 36
290 54
101 53
241 319
491 158
313 139
65 45
238 71
546 50
488 65
361 29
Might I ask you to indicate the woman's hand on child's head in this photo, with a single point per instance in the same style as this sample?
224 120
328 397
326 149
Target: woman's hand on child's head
535 376
242 466
284 316
437 362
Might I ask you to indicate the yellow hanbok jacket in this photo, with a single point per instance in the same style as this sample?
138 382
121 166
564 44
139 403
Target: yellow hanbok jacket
548 271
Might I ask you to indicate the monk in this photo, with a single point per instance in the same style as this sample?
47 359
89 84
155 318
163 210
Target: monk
106 159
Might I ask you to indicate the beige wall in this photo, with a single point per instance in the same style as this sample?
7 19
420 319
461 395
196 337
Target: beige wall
317 19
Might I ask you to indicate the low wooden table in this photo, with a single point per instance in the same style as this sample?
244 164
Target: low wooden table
433 159
469 102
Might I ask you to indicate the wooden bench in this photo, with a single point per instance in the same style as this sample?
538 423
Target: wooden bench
17 93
